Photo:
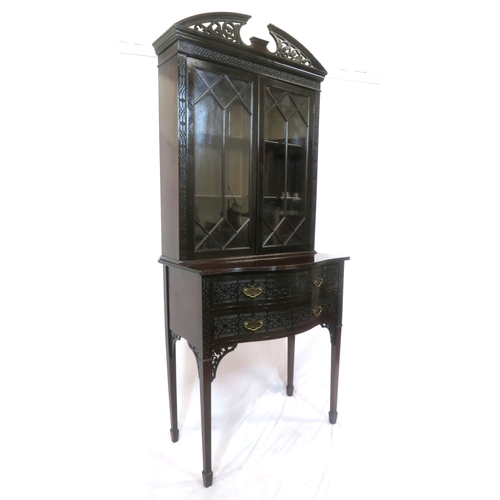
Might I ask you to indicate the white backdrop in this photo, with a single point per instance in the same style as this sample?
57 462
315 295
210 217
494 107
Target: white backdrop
406 188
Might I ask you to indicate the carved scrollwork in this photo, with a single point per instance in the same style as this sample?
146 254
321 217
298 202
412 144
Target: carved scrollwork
225 25
285 49
227 30
289 48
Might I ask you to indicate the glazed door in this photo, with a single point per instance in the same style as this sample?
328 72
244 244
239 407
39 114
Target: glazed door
221 128
286 159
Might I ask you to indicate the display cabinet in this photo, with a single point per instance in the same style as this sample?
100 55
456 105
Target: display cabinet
238 156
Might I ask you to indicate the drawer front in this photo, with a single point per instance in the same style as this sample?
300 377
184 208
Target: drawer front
245 288
244 324
325 277
248 288
254 321
315 311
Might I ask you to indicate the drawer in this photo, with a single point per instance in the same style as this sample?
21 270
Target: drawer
248 288
325 277
268 321
317 310
247 323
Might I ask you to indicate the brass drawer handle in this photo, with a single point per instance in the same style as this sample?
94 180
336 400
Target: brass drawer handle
253 324
317 310
318 281
253 291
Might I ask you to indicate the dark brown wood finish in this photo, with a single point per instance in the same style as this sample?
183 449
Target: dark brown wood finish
238 154
290 361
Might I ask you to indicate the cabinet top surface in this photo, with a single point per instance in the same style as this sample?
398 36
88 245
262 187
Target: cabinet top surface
262 264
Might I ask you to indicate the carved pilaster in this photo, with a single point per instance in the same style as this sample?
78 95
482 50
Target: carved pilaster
183 148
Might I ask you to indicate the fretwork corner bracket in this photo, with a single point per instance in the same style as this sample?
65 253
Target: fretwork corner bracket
333 329
217 355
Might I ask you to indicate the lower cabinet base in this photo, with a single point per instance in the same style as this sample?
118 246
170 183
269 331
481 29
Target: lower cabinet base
192 313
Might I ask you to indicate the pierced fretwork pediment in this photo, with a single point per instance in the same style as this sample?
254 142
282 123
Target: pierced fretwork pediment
291 49
225 25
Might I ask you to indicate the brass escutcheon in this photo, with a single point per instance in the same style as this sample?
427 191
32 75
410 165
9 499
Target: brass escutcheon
317 310
253 291
318 281
253 324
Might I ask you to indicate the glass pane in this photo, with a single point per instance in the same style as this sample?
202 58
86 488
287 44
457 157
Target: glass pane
222 135
204 81
297 160
286 131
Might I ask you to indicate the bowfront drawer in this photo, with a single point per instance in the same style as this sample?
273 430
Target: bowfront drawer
241 323
247 288
325 277
316 311
254 288
248 323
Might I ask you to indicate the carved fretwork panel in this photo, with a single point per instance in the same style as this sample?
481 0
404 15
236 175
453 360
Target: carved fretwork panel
243 289
308 312
249 290
291 49
327 277
223 25
302 315
217 355
287 50
303 282
183 157
230 31
244 324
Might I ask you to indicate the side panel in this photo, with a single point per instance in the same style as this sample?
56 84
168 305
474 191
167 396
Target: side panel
185 303
169 157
